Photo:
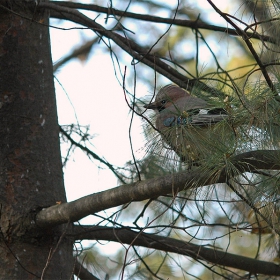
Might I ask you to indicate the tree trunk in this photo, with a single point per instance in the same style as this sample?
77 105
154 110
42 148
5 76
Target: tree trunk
30 163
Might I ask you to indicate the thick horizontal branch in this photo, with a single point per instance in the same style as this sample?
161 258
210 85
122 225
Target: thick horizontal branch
169 184
215 256
194 24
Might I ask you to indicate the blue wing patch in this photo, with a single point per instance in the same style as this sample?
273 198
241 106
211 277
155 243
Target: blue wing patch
172 121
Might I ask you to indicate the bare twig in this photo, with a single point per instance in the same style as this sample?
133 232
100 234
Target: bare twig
194 24
89 152
127 45
246 39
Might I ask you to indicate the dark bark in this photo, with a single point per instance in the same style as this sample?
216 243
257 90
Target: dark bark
83 273
30 162
167 244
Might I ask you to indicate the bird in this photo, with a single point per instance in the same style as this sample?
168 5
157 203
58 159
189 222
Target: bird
187 123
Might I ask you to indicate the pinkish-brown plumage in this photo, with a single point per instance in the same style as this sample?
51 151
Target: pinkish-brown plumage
184 121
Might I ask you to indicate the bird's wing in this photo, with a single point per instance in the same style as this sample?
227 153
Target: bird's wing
188 103
203 117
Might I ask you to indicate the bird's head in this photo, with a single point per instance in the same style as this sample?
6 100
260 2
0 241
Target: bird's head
166 97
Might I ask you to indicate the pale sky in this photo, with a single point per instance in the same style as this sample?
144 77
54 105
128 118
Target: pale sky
99 102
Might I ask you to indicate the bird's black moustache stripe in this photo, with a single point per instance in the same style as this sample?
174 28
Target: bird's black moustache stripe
160 108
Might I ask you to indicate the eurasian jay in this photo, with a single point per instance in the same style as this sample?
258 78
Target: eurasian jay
184 122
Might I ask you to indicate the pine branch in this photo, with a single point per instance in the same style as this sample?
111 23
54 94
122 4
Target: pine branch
151 241
169 184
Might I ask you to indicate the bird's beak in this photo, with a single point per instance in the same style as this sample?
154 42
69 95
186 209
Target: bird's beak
152 105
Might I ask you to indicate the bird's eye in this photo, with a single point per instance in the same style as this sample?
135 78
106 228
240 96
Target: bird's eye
163 102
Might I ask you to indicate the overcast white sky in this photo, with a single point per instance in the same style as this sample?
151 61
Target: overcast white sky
99 102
